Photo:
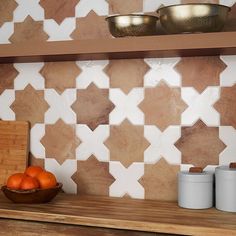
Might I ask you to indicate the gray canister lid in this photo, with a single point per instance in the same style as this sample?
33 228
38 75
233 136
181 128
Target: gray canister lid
226 172
203 177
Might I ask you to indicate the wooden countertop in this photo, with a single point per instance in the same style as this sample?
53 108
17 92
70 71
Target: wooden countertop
141 215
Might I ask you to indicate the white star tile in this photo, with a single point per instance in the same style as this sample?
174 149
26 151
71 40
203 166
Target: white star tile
60 32
60 106
29 74
63 173
162 69
153 5
200 106
92 72
228 135
162 144
85 6
227 77
92 142
28 8
6 31
126 106
36 134
126 180
6 99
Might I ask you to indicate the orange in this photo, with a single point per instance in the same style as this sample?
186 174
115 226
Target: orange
14 181
33 171
46 179
29 183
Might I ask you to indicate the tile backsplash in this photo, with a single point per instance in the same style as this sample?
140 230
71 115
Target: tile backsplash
121 128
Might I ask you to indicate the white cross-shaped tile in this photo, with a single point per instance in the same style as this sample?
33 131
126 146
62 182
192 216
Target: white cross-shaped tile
162 69
36 147
60 32
162 144
229 3
92 72
200 106
126 106
92 142
153 5
6 99
228 135
26 8
126 180
60 106
6 31
29 74
228 76
63 173
85 6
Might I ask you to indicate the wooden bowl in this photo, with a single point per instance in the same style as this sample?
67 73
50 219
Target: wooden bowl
31 196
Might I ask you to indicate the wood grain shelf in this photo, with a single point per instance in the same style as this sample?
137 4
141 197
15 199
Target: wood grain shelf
115 48
128 214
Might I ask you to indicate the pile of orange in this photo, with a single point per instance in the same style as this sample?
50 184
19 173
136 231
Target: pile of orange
34 177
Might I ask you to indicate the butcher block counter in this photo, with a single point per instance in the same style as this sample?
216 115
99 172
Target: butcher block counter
93 215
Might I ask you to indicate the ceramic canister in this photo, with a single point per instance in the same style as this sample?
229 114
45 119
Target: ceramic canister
195 189
226 188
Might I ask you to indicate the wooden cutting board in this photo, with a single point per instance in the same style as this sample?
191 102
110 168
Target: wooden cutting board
14 148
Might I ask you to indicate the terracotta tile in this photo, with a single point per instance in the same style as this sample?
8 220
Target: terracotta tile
126 74
8 74
60 141
200 1
93 106
226 106
162 106
125 6
30 105
29 30
59 9
33 161
200 145
200 72
231 22
127 143
60 75
90 27
160 181
7 8
93 177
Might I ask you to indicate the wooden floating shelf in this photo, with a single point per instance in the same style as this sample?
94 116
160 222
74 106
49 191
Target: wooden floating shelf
128 214
207 44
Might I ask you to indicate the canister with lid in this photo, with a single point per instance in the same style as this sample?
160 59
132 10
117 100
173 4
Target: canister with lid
195 189
226 187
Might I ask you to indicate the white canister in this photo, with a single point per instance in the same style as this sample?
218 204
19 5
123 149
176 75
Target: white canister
226 188
195 189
